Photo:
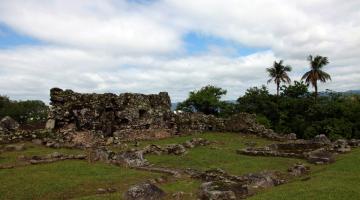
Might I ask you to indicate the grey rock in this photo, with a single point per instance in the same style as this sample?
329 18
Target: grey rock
144 191
322 139
299 170
212 191
50 124
9 124
176 149
131 158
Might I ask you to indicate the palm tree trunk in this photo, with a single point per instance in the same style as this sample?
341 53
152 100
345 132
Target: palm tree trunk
316 89
277 89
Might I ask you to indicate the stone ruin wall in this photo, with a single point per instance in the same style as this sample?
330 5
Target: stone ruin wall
131 116
127 115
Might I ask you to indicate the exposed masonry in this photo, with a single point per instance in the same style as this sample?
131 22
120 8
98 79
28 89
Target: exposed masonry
137 116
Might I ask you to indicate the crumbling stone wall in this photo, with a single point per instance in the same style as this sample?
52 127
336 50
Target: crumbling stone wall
127 115
198 122
131 116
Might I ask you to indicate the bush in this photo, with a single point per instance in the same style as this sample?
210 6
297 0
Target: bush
23 111
261 119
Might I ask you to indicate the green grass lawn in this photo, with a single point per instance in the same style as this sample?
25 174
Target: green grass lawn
66 179
31 150
340 180
222 154
74 179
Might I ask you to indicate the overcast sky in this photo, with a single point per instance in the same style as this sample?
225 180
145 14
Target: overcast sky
149 46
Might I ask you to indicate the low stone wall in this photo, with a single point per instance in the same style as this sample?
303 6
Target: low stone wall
198 122
319 150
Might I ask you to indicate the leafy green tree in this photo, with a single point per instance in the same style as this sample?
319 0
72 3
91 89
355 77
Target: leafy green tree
23 111
278 74
299 89
206 100
316 73
259 101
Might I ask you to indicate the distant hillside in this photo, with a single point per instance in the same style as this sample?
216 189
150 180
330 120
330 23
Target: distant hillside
349 92
352 92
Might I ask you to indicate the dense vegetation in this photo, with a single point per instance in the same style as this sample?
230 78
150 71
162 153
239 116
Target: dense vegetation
293 108
28 111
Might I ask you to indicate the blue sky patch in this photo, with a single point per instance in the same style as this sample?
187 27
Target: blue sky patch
197 43
10 38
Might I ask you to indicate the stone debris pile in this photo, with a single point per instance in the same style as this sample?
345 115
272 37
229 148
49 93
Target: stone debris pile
319 150
176 149
144 191
8 125
217 184
135 157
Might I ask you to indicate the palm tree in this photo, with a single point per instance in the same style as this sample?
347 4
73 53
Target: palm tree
316 73
278 74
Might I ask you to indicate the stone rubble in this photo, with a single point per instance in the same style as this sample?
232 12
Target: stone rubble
144 191
8 125
217 184
176 149
131 116
319 150
53 157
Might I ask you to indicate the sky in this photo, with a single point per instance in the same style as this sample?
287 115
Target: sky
148 46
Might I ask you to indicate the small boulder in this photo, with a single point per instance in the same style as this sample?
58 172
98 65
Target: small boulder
176 149
144 191
130 158
299 170
50 124
110 141
217 191
101 191
9 124
322 139
320 156
341 146
291 136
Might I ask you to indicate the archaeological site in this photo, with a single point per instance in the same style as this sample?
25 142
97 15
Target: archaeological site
130 131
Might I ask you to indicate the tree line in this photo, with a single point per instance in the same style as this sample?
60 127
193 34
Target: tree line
29 111
292 109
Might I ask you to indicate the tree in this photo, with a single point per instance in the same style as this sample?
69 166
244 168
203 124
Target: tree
278 74
258 100
316 73
298 90
206 100
23 111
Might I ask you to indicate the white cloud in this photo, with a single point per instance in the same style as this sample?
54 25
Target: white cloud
96 25
119 46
